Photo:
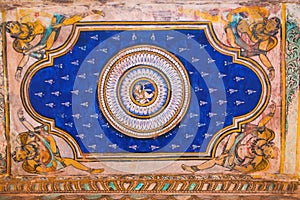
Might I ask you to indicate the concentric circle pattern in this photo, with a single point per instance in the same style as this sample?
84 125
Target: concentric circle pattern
144 91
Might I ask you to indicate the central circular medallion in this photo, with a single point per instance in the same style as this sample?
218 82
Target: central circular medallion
144 91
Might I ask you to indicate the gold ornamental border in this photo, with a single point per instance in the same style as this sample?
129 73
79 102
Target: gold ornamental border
148 184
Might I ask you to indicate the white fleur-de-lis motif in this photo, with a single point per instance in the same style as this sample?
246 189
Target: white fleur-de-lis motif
75 62
189 36
218 123
114 146
231 91
152 147
90 90
50 105
91 61
210 114
192 115
226 63
220 75
70 124
104 50
133 37
95 37
202 46
83 48
200 124
50 81
210 60
183 49
182 125
116 37
152 37
81 136
66 78
85 104
77 116
197 89
195 59
133 147
207 135
238 79
56 93
101 136
59 65
237 102
94 116
39 94
93 146
187 136
170 37
67 104
221 102
196 147
83 76
88 125
202 103
211 90
203 74
75 92
105 125
174 146
249 92
225 114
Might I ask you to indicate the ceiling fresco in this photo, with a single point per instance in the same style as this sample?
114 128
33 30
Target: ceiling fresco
160 98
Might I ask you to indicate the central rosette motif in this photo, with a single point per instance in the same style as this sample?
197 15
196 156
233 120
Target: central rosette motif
144 91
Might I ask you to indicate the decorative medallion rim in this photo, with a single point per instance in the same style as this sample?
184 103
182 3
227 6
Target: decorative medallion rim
142 55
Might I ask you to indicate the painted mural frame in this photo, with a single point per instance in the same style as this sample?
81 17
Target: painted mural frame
285 181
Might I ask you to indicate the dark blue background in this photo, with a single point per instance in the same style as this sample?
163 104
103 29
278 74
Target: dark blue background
88 57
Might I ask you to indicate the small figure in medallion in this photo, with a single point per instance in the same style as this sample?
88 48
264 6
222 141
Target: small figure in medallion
142 94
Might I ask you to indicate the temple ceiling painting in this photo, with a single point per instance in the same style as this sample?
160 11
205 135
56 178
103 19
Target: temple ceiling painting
163 98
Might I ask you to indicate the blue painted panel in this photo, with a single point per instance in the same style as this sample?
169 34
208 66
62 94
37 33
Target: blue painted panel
67 91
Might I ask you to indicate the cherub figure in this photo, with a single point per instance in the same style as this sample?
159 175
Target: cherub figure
247 151
250 29
24 34
142 95
39 153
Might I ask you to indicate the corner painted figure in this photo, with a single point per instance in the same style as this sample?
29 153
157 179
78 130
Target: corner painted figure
250 29
39 153
24 35
248 151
